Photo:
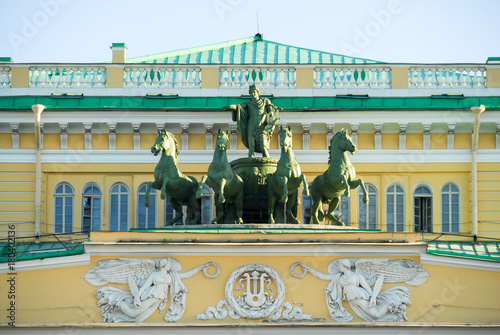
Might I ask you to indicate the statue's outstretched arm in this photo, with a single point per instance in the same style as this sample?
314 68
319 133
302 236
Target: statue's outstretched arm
197 269
315 273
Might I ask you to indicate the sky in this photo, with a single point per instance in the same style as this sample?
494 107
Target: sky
394 31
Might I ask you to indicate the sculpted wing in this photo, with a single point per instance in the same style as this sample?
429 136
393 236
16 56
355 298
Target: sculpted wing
120 270
395 271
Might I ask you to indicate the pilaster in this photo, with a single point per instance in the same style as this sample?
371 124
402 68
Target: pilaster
306 136
185 136
136 127
378 136
88 136
112 136
15 135
63 129
451 136
402 136
208 136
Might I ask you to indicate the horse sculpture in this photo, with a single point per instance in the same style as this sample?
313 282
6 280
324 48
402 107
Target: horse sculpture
170 180
227 185
337 180
284 183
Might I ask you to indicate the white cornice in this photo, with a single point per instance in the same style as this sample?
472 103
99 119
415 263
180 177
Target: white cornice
47 263
206 156
254 249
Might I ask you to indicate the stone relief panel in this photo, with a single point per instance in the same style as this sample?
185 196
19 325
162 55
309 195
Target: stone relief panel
151 282
360 281
254 291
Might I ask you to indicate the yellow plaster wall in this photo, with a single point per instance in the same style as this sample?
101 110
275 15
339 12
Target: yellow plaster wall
487 141
100 141
414 141
317 141
51 141
463 140
26 141
124 141
390 141
5 141
76 141
366 141
439 141
148 140
197 142
298 143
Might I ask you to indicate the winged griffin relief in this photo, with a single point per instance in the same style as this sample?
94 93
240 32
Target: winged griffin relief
151 281
359 282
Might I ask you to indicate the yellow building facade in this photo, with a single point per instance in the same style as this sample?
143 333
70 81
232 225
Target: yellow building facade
72 212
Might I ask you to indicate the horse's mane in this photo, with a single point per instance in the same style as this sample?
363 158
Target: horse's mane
335 138
177 151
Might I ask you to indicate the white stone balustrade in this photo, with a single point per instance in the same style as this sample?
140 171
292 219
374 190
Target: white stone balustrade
352 76
262 76
162 76
69 75
446 76
5 77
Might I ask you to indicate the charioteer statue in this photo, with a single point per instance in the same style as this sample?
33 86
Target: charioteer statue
256 120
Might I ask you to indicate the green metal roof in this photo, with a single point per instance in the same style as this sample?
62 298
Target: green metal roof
487 251
251 50
216 103
29 250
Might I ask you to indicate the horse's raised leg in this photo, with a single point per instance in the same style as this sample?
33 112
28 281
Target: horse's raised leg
346 183
331 207
176 205
163 188
305 190
355 183
199 192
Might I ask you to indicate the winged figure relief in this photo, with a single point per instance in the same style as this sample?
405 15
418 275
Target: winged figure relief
151 282
360 281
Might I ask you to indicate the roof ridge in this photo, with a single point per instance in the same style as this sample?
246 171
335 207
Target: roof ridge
186 51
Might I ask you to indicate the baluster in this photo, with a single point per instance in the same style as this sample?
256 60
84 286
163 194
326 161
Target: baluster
53 79
440 78
128 81
265 78
143 73
475 78
102 78
191 78
345 81
468 78
454 78
162 80
449 77
34 77
46 77
292 81
286 78
387 78
73 77
169 73
420 76
156 81
197 80
317 78
148 80
324 78
338 82
482 78
331 78
184 73
257 80
412 78
244 83
359 80
432 79
92 77
352 80
135 80
371 78
233 78
178 77
279 80
80 81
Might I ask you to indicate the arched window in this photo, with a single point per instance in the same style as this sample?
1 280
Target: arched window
343 211
450 208
367 213
146 216
307 207
92 207
170 212
64 197
206 205
395 208
118 207
422 209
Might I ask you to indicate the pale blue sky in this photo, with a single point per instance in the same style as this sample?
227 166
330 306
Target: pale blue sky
401 31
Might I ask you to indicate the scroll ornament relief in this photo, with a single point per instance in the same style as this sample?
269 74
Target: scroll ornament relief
352 280
149 280
258 300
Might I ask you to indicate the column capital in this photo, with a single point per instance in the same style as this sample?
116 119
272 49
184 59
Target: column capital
14 127
233 126
306 127
112 127
208 128
498 128
451 127
160 126
329 127
402 128
185 127
87 126
136 127
378 127
427 128
354 127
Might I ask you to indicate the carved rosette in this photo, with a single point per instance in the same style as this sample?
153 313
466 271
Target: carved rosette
259 293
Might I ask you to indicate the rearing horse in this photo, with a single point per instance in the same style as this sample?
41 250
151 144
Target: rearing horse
227 185
337 180
284 183
170 180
